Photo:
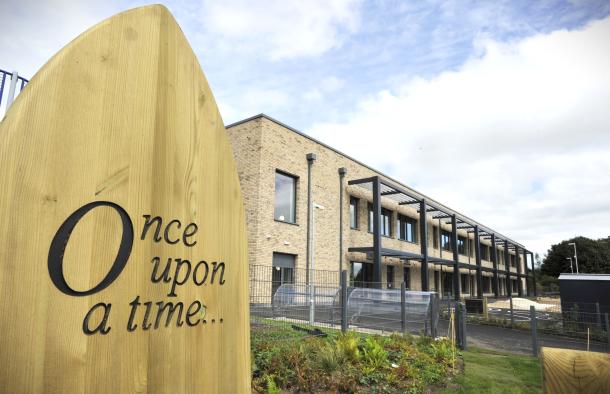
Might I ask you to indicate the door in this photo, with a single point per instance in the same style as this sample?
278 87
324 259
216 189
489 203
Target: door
283 270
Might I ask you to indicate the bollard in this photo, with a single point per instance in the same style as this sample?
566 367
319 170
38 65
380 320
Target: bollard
344 323
403 306
512 313
534 331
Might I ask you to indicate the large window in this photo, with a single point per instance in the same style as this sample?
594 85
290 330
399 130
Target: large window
512 260
446 240
361 274
386 220
353 212
285 197
461 243
407 228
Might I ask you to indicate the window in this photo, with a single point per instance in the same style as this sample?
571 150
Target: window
484 252
406 276
512 260
471 247
461 245
501 258
285 197
407 228
435 237
390 276
446 240
386 220
353 212
283 270
361 275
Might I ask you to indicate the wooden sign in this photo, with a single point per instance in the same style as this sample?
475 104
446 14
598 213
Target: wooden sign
123 261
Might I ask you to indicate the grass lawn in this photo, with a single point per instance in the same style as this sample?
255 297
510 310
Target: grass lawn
486 371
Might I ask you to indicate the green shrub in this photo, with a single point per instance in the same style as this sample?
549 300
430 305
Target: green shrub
347 346
374 354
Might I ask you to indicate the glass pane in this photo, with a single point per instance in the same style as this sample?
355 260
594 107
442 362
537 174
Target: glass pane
284 198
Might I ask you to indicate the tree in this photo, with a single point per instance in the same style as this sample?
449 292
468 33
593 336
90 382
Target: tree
593 257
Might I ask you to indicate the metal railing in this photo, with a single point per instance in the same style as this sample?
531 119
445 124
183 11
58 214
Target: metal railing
11 84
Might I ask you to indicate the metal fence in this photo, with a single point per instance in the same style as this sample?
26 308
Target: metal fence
281 298
11 84
542 322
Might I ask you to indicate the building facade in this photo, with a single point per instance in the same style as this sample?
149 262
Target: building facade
309 206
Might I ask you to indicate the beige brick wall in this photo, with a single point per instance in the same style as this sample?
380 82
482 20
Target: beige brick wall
262 146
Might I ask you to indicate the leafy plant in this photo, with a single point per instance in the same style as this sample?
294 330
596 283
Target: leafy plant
347 346
375 355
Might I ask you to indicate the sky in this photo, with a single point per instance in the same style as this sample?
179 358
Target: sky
500 110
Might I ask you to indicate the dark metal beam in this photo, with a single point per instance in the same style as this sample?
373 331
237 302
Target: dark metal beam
390 192
527 279
408 202
363 180
509 287
456 262
477 255
423 240
519 273
494 260
377 232
534 274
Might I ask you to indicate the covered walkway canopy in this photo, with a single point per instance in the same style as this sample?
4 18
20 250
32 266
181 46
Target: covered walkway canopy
426 206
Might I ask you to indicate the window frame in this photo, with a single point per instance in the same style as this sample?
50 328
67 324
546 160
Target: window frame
400 219
356 225
384 212
295 179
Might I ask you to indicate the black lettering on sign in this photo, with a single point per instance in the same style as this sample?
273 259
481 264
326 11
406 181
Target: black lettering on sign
60 241
101 327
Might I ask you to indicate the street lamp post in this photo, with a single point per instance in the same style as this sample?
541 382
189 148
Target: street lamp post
571 268
312 295
575 255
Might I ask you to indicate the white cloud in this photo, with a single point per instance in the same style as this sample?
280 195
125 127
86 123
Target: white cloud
518 138
281 29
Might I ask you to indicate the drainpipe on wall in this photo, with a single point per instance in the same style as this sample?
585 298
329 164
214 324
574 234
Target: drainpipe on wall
311 157
342 172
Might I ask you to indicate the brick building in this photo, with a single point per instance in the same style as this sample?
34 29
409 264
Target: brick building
360 220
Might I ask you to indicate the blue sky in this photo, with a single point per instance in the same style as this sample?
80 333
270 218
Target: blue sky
498 109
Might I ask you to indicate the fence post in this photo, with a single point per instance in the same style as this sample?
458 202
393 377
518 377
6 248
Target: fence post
434 310
460 313
598 315
607 330
344 324
403 305
11 91
534 331
512 313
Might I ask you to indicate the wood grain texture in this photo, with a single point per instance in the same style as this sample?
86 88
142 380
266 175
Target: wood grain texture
574 371
124 114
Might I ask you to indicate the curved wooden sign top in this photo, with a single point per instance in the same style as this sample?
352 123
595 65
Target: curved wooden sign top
123 261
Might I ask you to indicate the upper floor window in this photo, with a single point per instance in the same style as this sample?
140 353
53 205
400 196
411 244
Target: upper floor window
446 240
461 244
385 223
471 247
435 237
353 212
285 197
407 228
484 252
512 260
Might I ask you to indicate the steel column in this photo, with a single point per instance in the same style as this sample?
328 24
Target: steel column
494 260
527 279
342 172
423 240
456 261
509 287
534 274
377 232
311 157
477 255
519 281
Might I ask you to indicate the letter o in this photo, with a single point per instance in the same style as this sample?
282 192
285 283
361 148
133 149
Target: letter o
60 241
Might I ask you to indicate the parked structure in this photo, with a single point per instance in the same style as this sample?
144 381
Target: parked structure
310 206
